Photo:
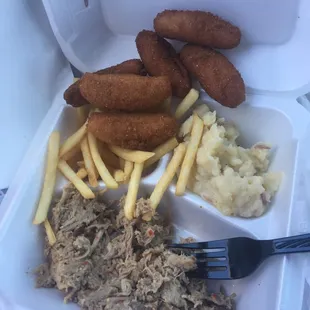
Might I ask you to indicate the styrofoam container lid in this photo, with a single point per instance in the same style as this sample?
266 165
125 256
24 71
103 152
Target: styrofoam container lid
272 59
30 63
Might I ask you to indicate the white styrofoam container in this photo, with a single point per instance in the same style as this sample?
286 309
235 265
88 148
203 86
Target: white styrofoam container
272 59
31 60
21 243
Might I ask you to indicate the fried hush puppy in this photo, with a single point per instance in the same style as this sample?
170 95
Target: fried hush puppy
136 131
217 76
73 96
124 92
197 27
132 66
160 59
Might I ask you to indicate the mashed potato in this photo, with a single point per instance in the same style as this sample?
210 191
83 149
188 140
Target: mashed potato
232 178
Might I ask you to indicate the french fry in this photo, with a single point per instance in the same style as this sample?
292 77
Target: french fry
49 178
81 164
50 233
187 103
73 141
190 155
128 167
166 178
108 156
161 150
101 167
82 173
119 176
134 156
89 163
133 187
66 170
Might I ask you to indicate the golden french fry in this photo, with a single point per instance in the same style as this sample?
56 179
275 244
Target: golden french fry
50 233
108 156
73 141
66 170
128 167
82 173
89 163
190 155
187 103
101 167
133 187
166 178
49 178
130 155
119 175
161 150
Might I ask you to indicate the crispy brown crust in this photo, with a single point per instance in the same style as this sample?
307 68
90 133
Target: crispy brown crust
197 27
137 131
217 76
131 66
73 96
124 92
161 59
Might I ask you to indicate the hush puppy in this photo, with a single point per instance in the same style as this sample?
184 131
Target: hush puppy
137 131
160 59
124 92
217 76
197 27
133 66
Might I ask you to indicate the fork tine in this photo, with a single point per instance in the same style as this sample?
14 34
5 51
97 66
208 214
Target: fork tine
217 254
200 245
206 274
222 263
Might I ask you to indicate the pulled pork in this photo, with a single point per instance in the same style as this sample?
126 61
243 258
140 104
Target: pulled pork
103 261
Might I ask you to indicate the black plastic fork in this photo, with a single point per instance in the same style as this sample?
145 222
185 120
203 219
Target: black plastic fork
237 258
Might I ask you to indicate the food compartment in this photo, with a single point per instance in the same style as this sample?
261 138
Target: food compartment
23 242
255 121
25 252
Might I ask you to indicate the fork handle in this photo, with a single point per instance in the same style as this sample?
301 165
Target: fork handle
294 244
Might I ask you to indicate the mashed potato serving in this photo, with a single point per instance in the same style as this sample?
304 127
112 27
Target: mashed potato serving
232 178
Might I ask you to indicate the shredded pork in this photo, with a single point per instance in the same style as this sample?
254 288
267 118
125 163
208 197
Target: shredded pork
102 261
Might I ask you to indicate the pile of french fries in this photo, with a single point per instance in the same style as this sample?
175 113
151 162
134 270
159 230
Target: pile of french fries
115 165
